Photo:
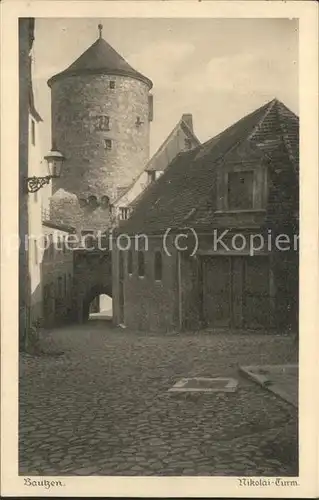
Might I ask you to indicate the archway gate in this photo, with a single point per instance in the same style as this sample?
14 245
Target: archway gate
92 276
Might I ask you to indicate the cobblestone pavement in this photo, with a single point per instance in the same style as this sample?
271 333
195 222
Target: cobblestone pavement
102 408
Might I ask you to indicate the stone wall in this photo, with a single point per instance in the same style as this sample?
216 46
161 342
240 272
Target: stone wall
77 104
149 305
57 279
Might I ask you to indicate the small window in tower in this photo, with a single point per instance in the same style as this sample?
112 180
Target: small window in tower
138 122
93 201
188 143
112 84
102 122
107 144
105 201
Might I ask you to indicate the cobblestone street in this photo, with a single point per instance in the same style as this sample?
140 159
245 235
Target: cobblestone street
103 407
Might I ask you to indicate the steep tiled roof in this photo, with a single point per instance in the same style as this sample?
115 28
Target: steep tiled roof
186 193
100 58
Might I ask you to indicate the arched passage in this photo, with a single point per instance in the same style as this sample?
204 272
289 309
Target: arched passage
95 292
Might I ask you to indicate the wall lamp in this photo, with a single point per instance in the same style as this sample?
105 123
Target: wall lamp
54 161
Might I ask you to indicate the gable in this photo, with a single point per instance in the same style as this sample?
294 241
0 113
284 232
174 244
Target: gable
187 191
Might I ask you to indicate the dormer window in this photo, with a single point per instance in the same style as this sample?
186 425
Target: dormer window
188 143
151 176
240 190
124 213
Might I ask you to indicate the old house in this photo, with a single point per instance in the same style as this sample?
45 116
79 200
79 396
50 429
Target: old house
214 242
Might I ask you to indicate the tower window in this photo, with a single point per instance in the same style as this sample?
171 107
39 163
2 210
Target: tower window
105 201
188 143
112 84
102 122
138 121
93 201
107 144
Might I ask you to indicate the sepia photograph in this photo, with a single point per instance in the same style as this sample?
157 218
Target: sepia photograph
159 251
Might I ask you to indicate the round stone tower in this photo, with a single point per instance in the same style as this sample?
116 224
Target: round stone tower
101 113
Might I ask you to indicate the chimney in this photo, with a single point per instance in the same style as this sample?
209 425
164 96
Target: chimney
188 119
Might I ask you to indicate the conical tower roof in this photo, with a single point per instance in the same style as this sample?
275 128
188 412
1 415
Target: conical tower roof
100 59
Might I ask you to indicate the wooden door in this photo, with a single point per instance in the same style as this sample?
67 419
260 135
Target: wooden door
216 291
256 297
236 292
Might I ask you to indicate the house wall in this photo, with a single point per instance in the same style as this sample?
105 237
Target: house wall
35 253
149 305
25 43
57 263
176 303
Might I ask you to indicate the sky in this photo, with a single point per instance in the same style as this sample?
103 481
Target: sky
217 69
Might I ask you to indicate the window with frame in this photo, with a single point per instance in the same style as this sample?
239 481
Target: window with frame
102 122
151 176
130 262
158 266
108 144
141 263
112 84
124 213
240 190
